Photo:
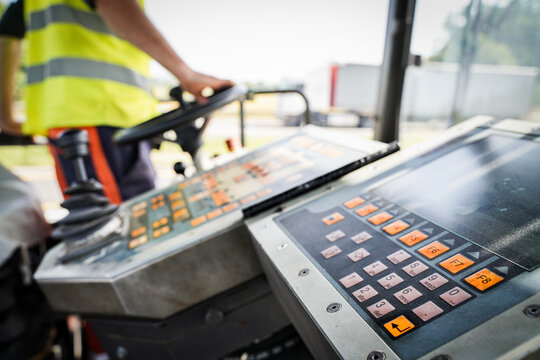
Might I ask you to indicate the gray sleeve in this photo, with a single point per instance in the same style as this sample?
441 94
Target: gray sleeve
22 222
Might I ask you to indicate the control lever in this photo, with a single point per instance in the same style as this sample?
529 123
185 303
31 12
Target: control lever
89 210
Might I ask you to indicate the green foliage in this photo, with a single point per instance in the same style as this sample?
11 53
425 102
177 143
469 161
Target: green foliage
508 34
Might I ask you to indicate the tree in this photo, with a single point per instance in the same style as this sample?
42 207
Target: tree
508 34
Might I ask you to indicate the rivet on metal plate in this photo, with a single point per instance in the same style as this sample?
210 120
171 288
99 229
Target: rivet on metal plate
333 307
303 272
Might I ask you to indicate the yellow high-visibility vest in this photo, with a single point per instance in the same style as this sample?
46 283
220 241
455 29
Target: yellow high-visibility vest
79 73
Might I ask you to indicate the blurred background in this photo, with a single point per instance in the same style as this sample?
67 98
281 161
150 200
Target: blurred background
468 57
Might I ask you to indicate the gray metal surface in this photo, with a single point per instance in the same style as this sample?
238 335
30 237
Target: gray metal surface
295 279
163 287
190 264
209 330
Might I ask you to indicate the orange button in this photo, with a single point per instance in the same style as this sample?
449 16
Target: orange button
165 230
156 233
155 224
399 326
264 192
433 250
137 241
230 207
163 220
456 263
198 221
366 210
484 279
380 218
248 199
354 202
182 185
214 213
181 214
139 213
139 231
413 237
177 204
333 218
395 227
174 195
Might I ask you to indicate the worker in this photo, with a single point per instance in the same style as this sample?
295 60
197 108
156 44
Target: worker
87 66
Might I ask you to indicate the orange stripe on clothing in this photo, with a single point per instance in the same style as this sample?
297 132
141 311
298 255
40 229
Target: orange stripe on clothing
101 166
60 177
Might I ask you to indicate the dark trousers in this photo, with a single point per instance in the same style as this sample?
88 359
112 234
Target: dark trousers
124 171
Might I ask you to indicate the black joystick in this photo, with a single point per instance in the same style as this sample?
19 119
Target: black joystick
88 208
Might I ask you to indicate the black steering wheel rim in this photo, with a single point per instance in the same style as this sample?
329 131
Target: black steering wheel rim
179 118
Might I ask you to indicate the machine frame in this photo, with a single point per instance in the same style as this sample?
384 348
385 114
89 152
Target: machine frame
332 328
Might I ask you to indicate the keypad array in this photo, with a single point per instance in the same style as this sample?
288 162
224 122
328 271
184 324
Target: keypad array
399 268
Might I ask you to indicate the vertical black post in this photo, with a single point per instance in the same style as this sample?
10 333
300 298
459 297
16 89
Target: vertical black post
395 61
242 123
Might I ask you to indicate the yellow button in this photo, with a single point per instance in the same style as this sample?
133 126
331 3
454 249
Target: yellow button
456 263
354 202
484 279
380 218
366 210
333 218
399 326
413 237
433 250
395 227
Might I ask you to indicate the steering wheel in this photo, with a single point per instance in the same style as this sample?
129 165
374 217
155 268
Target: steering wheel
179 118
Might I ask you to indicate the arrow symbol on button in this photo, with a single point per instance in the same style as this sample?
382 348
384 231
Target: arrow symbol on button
410 221
379 204
395 326
429 230
475 254
449 242
502 269
395 212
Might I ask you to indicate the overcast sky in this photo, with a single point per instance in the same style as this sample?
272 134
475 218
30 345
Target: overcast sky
260 40
272 41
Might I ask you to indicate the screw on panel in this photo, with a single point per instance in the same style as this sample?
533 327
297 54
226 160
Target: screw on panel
532 311
303 272
442 357
333 307
376 355
121 352
214 316
282 246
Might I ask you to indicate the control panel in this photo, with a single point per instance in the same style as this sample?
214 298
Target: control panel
174 247
422 250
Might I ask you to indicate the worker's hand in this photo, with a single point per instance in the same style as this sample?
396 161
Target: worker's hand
195 83
10 126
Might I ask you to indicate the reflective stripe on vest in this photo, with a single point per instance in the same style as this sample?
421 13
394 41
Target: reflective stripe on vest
61 13
79 73
86 69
